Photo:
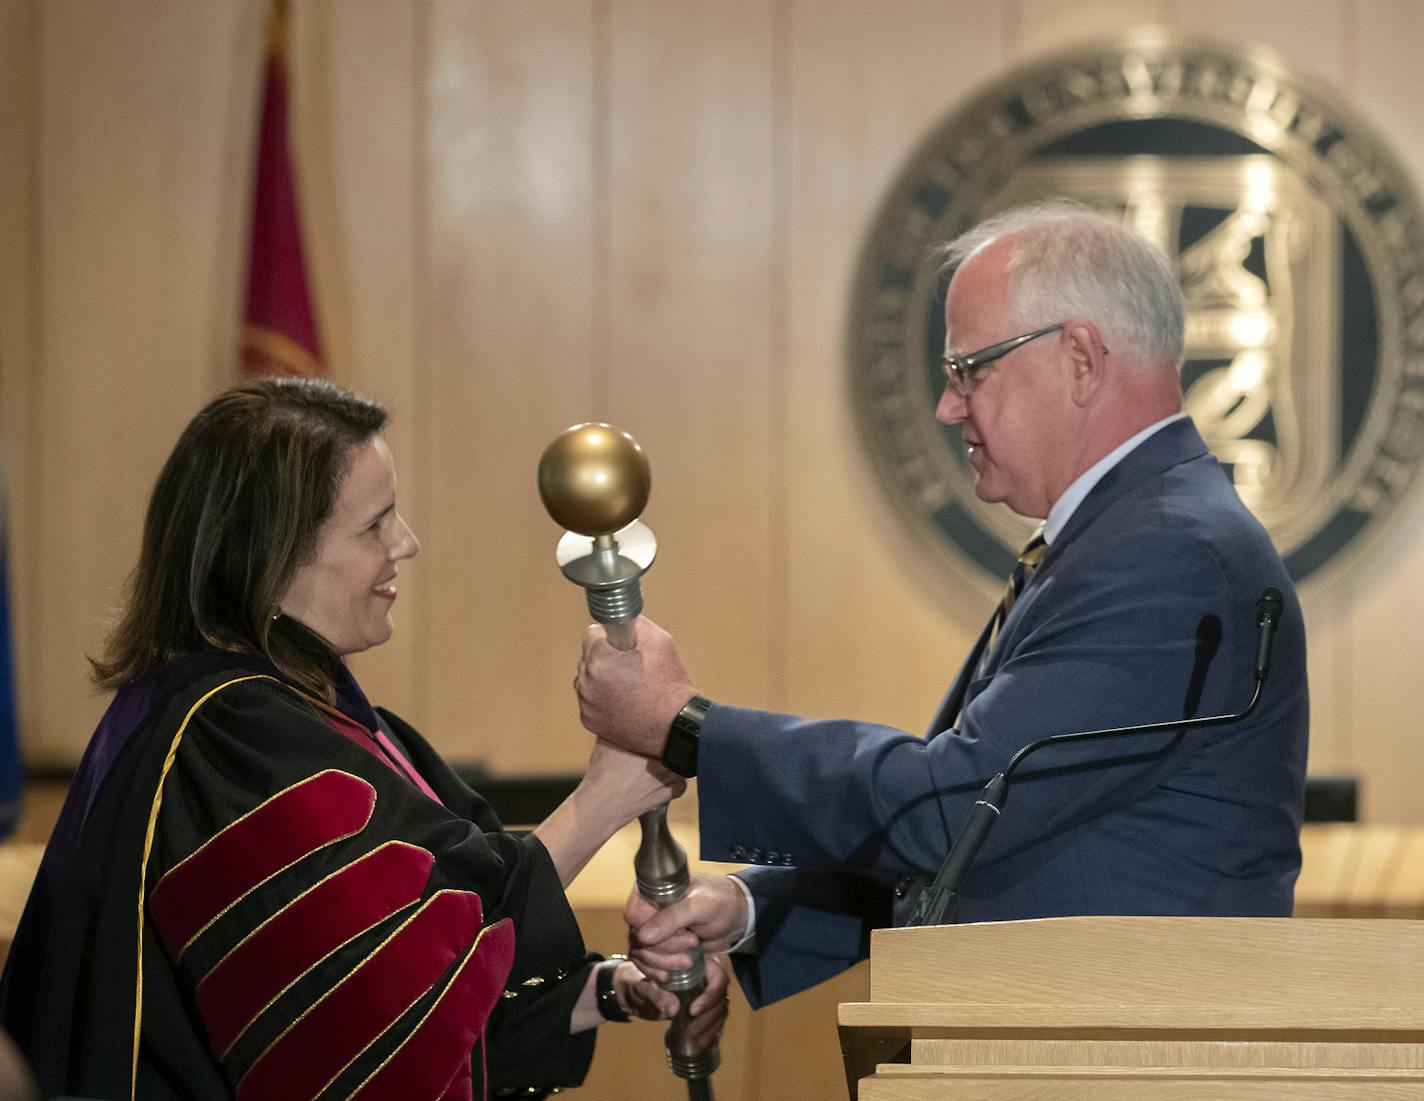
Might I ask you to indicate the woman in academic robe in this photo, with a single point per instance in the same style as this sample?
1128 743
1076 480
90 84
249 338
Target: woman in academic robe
260 885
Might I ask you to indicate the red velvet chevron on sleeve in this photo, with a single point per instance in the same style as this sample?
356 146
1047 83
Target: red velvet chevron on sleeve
290 825
328 1038
304 932
454 1023
340 971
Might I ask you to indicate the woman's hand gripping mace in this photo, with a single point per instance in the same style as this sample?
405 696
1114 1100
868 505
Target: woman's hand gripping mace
594 480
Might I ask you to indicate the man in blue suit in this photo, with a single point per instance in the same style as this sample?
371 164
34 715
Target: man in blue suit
1064 346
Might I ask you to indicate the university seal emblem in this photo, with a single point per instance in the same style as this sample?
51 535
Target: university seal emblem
1301 251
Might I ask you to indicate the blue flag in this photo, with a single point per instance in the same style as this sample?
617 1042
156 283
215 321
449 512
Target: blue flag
10 773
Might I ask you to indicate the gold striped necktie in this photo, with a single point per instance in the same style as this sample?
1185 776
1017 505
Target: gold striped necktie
1029 558
977 663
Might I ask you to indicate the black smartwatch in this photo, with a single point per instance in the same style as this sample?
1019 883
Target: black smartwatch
607 997
680 752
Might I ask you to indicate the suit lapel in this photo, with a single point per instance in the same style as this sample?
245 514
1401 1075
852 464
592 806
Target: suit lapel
948 713
1177 443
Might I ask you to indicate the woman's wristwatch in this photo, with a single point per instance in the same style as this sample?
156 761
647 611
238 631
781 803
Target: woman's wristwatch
608 1005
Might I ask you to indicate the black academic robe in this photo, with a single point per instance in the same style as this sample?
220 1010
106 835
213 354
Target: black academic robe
253 897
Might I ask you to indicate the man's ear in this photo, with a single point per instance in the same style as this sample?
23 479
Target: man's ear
1086 356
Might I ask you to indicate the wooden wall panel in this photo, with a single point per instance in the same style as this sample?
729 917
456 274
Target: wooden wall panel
690 322
1386 601
19 334
1043 26
509 146
135 105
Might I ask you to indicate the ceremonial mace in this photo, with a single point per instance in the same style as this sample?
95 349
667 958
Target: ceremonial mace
594 480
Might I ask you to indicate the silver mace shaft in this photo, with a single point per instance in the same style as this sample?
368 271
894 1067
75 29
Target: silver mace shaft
595 480
610 573
661 871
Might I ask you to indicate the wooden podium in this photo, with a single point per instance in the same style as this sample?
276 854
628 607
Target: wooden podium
1140 1009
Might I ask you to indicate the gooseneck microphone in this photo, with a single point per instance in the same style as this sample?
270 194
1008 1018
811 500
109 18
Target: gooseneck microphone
1268 615
937 903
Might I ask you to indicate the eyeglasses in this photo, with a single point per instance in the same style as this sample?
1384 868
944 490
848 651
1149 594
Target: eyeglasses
963 374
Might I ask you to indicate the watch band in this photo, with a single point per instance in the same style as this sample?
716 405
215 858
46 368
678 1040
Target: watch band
608 1007
680 751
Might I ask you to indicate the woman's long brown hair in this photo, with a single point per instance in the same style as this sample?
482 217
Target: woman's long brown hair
235 512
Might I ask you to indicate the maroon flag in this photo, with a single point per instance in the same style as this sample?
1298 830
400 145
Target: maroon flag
280 336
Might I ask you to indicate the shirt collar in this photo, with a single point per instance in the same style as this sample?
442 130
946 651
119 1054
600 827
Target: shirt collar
1063 509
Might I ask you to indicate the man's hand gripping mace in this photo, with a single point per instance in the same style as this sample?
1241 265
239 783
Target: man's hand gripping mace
594 480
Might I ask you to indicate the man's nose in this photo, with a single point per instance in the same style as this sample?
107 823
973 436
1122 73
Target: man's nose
951 408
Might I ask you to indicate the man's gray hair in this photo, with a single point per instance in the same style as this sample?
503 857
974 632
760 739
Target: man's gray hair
1067 260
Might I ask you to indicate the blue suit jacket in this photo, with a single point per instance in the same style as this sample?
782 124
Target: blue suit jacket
1143 610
